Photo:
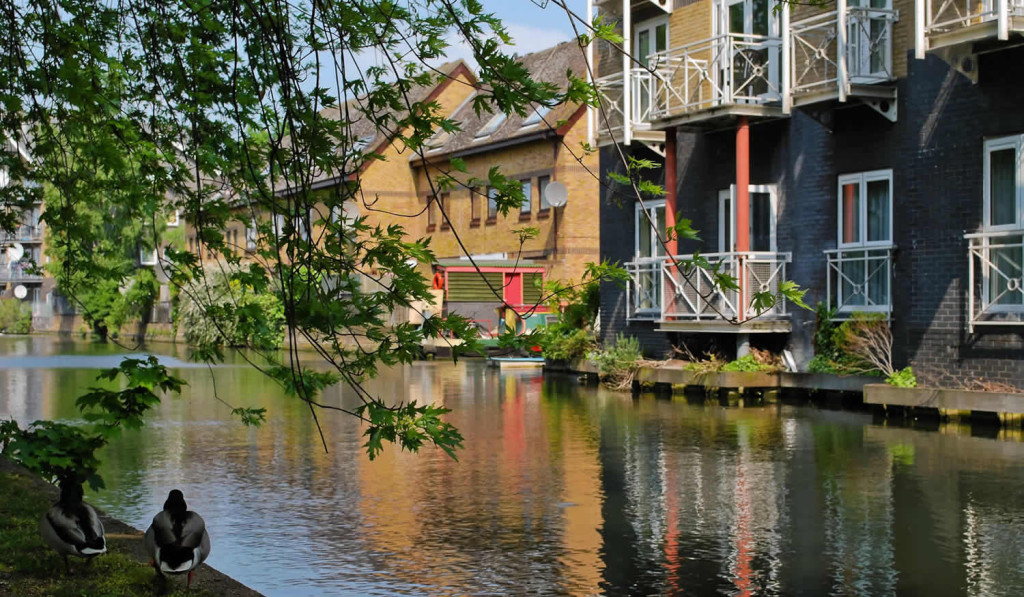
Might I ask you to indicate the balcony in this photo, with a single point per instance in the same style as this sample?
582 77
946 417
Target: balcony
721 77
689 300
860 280
828 66
23 234
611 119
958 29
995 285
18 273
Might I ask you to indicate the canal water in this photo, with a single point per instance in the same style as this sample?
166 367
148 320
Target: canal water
561 489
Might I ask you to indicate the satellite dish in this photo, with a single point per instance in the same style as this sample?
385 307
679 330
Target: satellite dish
556 194
15 252
20 291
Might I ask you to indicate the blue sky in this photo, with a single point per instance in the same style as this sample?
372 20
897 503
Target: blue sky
533 27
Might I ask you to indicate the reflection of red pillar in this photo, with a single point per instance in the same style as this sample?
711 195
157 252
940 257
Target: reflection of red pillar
849 214
672 562
742 204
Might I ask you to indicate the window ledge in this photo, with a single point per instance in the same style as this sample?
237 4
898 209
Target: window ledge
543 214
431 227
474 223
491 221
525 217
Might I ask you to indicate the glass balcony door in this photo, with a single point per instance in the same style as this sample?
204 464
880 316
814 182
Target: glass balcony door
649 38
868 40
754 30
648 255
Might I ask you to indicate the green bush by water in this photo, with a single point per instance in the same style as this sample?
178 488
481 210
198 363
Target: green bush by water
904 378
15 318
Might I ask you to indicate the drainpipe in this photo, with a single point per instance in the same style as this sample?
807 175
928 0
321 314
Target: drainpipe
786 60
627 63
919 26
742 206
1003 20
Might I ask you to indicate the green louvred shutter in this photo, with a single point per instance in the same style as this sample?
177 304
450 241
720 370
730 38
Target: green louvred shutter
471 287
532 290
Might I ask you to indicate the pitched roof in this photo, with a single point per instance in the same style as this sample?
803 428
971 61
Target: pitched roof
368 138
481 130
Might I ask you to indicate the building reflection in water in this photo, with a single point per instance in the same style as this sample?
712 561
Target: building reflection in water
565 489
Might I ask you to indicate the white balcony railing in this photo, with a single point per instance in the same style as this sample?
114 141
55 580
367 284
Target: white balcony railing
996 278
860 279
18 273
822 59
726 70
642 89
942 17
22 234
659 291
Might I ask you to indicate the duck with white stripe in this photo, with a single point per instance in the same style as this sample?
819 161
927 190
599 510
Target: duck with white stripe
72 527
177 539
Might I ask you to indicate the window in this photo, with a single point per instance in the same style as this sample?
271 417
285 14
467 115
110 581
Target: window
650 37
492 125
862 263
442 205
645 291
431 213
536 116
251 234
147 257
1003 223
542 187
191 244
762 219
527 208
474 206
492 203
173 220
865 209
1004 179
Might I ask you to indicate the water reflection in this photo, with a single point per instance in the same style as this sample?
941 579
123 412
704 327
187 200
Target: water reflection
560 489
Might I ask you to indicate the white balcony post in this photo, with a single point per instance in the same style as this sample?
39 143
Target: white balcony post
970 286
1003 16
590 74
627 66
919 25
786 66
841 75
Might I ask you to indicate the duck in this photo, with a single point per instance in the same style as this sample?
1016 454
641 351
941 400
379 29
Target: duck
177 539
72 527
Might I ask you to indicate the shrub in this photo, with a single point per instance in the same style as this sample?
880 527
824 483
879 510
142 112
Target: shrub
15 318
617 365
218 311
560 346
749 364
866 344
904 378
713 364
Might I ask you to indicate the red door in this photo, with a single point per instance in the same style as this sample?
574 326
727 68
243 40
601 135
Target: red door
514 289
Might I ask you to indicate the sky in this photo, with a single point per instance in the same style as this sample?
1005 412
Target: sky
535 28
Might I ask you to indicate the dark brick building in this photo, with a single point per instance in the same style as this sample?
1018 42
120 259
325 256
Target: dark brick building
870 196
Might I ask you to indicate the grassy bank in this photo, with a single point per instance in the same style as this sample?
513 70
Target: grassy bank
28 567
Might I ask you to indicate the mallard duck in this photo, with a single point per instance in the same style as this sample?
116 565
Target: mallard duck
72 527
177 540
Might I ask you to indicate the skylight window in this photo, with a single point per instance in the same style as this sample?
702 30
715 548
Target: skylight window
538 114
491 126
363 142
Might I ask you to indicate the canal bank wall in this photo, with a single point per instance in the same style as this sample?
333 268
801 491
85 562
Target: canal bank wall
1006 408
121 538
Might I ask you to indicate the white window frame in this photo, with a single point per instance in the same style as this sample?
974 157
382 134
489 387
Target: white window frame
638 221
651 26
147 257
1015 142
730 194
251 236
174 219
862 179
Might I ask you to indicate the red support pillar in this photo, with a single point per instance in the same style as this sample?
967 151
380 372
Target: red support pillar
742 206
743 185
670 187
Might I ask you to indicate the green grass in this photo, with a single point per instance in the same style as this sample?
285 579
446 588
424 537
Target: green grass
28 567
